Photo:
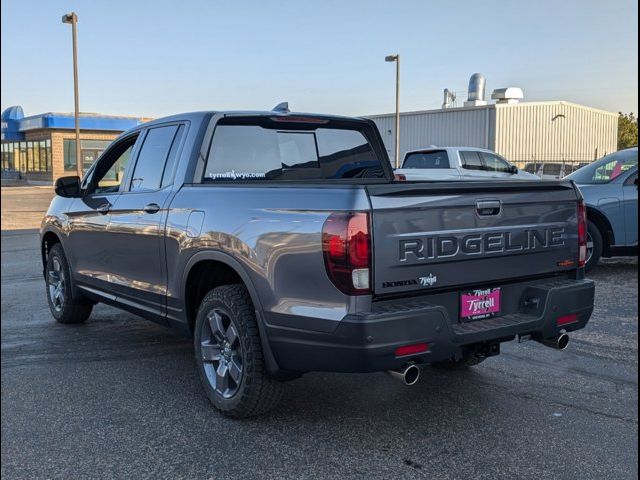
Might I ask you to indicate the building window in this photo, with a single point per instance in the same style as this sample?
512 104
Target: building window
47 147
32 156
36 156
90 150
29 156
22 157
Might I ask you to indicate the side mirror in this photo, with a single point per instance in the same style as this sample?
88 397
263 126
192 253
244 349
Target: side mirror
513 169
68 187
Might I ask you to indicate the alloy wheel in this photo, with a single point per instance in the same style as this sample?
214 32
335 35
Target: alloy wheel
56 285
589 247
221 353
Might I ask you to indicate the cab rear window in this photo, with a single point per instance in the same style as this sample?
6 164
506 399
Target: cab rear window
428 160
266 149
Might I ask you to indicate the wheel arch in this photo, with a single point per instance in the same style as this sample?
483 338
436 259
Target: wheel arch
600 220
232 271
48 239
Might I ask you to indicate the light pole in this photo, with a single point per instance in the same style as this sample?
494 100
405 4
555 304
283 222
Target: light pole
72 18
396 58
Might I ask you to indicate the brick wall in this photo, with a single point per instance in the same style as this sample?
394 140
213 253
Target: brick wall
57 138
57 147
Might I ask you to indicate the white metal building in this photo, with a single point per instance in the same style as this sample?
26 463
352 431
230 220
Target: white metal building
521 132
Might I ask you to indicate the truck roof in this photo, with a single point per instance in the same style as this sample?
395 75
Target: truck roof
431 148
202 115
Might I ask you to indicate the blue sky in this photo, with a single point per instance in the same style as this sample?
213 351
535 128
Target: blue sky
162 57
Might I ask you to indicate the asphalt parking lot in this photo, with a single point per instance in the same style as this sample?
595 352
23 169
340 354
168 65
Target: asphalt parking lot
118 397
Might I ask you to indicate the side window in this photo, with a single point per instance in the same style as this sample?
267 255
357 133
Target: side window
167 175
153 155
110 169
471 160
494 163
552 169
614 168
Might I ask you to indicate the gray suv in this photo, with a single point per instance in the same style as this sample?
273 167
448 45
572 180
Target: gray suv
283 245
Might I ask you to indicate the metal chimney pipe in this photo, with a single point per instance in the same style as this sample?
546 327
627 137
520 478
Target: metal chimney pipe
477 84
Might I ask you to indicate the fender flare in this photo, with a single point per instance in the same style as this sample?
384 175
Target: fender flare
217 255
54 231
62 237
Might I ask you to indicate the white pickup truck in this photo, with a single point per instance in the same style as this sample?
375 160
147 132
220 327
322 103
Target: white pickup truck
459 163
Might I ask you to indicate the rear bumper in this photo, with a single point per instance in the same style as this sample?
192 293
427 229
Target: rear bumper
367 342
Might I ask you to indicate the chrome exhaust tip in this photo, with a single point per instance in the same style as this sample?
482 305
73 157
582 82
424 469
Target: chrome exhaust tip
409 374
559 343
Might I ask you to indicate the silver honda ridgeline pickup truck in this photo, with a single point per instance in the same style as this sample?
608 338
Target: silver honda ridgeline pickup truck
281 242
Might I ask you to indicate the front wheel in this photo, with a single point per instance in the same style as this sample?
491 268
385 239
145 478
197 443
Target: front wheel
229 355
64 306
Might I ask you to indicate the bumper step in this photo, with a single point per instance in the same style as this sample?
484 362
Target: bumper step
479 326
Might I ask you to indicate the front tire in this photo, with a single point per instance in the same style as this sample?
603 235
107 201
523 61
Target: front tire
595 246
229 355
64 306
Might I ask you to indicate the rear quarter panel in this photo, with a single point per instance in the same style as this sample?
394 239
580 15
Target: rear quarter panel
275 234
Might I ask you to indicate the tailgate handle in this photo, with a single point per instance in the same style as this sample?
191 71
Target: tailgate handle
486 208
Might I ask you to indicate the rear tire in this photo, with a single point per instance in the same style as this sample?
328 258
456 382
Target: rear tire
63 304
595 245
229 355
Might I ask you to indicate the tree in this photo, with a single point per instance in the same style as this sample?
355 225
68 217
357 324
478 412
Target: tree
627 130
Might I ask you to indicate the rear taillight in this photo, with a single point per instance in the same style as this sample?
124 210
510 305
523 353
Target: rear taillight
399 177
582 233
346 244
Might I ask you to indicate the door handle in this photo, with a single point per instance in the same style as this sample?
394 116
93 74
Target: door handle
104 208
151 208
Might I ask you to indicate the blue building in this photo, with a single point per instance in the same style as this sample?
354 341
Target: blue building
43 147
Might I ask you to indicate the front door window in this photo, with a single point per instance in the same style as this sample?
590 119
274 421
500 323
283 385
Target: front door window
90 150
109 172
111 180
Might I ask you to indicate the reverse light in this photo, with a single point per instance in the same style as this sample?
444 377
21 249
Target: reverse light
582 234
346 245
411 349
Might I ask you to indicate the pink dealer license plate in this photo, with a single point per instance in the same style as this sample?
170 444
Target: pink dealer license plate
480 303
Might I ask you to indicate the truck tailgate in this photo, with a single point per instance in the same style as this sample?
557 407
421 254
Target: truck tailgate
456 234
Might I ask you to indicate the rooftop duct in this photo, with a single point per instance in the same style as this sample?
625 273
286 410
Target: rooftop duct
475 96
